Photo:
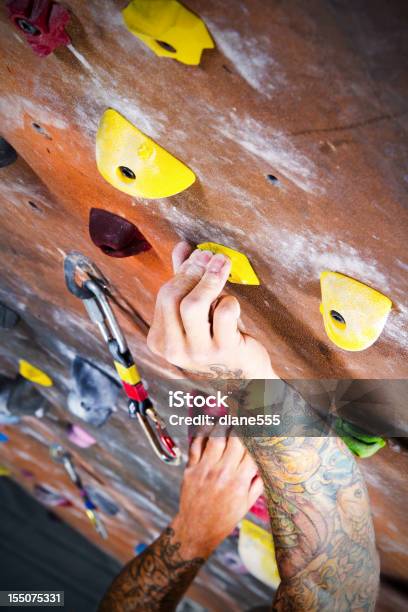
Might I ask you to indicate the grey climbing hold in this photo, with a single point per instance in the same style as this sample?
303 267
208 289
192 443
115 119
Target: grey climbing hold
95 393
8 318
8 154
19 397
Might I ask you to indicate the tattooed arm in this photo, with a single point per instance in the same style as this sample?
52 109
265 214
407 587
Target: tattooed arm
318 503
320 516
220 485
156 579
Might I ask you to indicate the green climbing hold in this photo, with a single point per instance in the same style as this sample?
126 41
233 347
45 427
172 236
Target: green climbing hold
360 443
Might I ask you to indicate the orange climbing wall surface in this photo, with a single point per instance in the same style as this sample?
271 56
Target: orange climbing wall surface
312 93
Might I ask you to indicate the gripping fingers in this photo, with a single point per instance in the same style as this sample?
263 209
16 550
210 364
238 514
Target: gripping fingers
255 490
196 306
248 467
216 444
234 452
190 271
196 450
226 320
189 274
181 252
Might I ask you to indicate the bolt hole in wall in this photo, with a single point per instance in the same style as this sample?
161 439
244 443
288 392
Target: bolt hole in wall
272 179
38 128
166 46
33 205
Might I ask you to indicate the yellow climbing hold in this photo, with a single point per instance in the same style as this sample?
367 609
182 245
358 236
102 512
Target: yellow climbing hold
4 471
132 162
354 315
34 374
169 29
257 552
241 270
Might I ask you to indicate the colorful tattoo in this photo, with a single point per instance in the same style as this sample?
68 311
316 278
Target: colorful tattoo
320 519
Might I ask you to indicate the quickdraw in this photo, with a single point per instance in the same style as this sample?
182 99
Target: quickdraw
93 290
60 455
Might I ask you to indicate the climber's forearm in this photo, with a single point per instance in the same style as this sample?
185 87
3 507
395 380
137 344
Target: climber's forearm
157 579
320 513
321 523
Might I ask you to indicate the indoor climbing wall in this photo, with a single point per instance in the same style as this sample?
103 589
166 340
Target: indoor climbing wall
276 129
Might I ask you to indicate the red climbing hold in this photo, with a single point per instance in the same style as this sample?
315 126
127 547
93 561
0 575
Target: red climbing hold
42 22
260 509
114 235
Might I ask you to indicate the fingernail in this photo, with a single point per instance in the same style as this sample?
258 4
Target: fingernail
217 263
202 257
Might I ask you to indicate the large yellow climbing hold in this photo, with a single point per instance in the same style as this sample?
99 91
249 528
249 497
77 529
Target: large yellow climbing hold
30 372
257 552
241 270
169 29
354 315
132 162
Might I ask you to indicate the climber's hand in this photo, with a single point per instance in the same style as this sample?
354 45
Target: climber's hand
196 328
220 485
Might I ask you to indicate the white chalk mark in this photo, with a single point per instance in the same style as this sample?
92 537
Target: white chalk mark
80 57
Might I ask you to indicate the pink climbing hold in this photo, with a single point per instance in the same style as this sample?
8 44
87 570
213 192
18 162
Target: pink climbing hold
42 23
80 437
27 473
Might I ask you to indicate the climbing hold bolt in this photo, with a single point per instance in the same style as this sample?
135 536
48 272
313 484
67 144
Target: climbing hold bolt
114 235
241 270
42 22
127 172
169 29
354 314
132 162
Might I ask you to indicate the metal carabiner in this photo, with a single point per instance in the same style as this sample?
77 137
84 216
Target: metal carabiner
101 313
93 292
155 429
75 262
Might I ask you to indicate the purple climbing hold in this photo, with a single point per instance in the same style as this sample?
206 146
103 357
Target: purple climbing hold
114 235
